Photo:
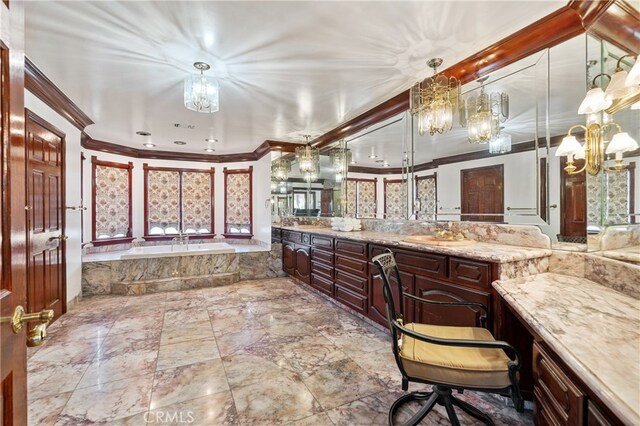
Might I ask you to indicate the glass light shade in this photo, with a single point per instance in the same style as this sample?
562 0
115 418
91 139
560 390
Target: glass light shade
201 94
308 158
339 158
621 142
569 146
617 88
636 105
280 169
500 144
633 78
480 128
594 102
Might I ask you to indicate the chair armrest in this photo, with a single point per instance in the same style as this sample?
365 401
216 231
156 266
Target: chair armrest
482 344
461 303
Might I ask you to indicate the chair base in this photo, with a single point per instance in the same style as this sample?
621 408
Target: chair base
440 395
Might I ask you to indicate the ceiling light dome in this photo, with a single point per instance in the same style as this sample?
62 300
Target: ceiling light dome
201 93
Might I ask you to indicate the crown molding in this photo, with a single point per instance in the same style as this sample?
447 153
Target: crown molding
266 147
39 84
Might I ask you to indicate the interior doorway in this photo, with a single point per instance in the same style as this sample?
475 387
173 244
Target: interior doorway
46 273
573 205
482 193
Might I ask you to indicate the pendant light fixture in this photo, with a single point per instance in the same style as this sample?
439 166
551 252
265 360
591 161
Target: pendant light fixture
483 114
340 158
201 94
500 144
308 157
280 168
434 101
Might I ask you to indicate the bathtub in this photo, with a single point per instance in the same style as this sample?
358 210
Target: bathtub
177 250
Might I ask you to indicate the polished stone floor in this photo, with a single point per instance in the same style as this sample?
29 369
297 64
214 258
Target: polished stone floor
256 352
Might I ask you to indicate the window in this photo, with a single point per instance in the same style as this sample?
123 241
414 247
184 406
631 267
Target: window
394 199
178 200
426 194
238 203
361 198
111 201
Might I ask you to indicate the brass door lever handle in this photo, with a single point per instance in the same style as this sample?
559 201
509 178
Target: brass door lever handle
37 336
59 237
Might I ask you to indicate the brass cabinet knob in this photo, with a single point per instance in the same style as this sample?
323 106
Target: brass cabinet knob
19 317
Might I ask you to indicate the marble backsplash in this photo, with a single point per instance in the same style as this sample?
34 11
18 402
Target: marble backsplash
620 236
514 235
621 276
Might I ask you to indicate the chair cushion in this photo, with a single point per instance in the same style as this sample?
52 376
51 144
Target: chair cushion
450 365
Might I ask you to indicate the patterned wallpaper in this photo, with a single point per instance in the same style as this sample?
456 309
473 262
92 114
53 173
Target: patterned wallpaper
351 198
366 199
163 198
238 200
196 201
426 192
393 198
617 205
111 202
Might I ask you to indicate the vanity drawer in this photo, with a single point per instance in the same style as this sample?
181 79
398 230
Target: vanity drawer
357 284
554 391
276 232
321 256
352 266
351 299
320 241
322 284
322 269
351 248
292 236
465 271
434 265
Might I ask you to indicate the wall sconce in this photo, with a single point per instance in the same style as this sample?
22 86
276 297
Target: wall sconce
622 91
593 150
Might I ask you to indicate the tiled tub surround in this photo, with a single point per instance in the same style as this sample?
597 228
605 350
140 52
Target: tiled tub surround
595 330
513 235
105 273
615 274
141 242
262 352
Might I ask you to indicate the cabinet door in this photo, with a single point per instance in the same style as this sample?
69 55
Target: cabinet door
303 264
377 306
288 258
431 289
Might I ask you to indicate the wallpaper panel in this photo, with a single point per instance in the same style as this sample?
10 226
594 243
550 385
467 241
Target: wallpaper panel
238 198
163 198
351 198
366 199
426 191
393 198
617 202
111 202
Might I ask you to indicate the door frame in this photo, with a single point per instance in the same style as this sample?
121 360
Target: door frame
35 118
482 217
563 194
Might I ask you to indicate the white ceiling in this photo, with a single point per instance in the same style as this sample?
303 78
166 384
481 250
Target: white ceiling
285 68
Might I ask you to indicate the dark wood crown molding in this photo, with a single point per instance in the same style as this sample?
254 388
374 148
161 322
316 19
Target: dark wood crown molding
266 147
39 84
613 20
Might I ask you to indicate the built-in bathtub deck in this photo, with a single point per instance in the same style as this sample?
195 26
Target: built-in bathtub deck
107 273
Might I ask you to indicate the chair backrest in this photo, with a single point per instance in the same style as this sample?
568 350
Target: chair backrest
388 268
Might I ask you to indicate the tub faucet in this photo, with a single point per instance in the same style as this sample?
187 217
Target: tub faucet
181 240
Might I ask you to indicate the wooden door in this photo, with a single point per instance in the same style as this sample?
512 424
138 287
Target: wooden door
303 264
432 289
13 357
326 202
45 218
573 202
482 193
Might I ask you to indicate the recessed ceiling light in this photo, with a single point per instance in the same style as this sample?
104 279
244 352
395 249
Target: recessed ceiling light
209 150
211 140
143 133
353 162
385 164
180 142
373 156
149 145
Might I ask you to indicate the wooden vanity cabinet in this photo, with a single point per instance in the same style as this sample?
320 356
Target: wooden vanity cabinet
276 235
303 263
289 257
351 274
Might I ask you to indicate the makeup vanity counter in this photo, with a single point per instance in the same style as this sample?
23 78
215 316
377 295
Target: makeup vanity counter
586 349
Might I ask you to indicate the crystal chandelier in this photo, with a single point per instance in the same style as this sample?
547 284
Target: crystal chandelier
280 168
434 101
501 144
308 157
483 114
201 94
340 158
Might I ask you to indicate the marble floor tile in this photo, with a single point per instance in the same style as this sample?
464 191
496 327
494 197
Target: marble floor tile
120 365
321 419
234 342
278 400
188 382
186 317
258 366
189 352
176 333
232 320
46 379
307 354
108 402
63 352
44 411
340 382
214 409
142 321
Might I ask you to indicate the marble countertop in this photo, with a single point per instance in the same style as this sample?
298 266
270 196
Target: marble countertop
497 253
595 330
627 254
115 255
